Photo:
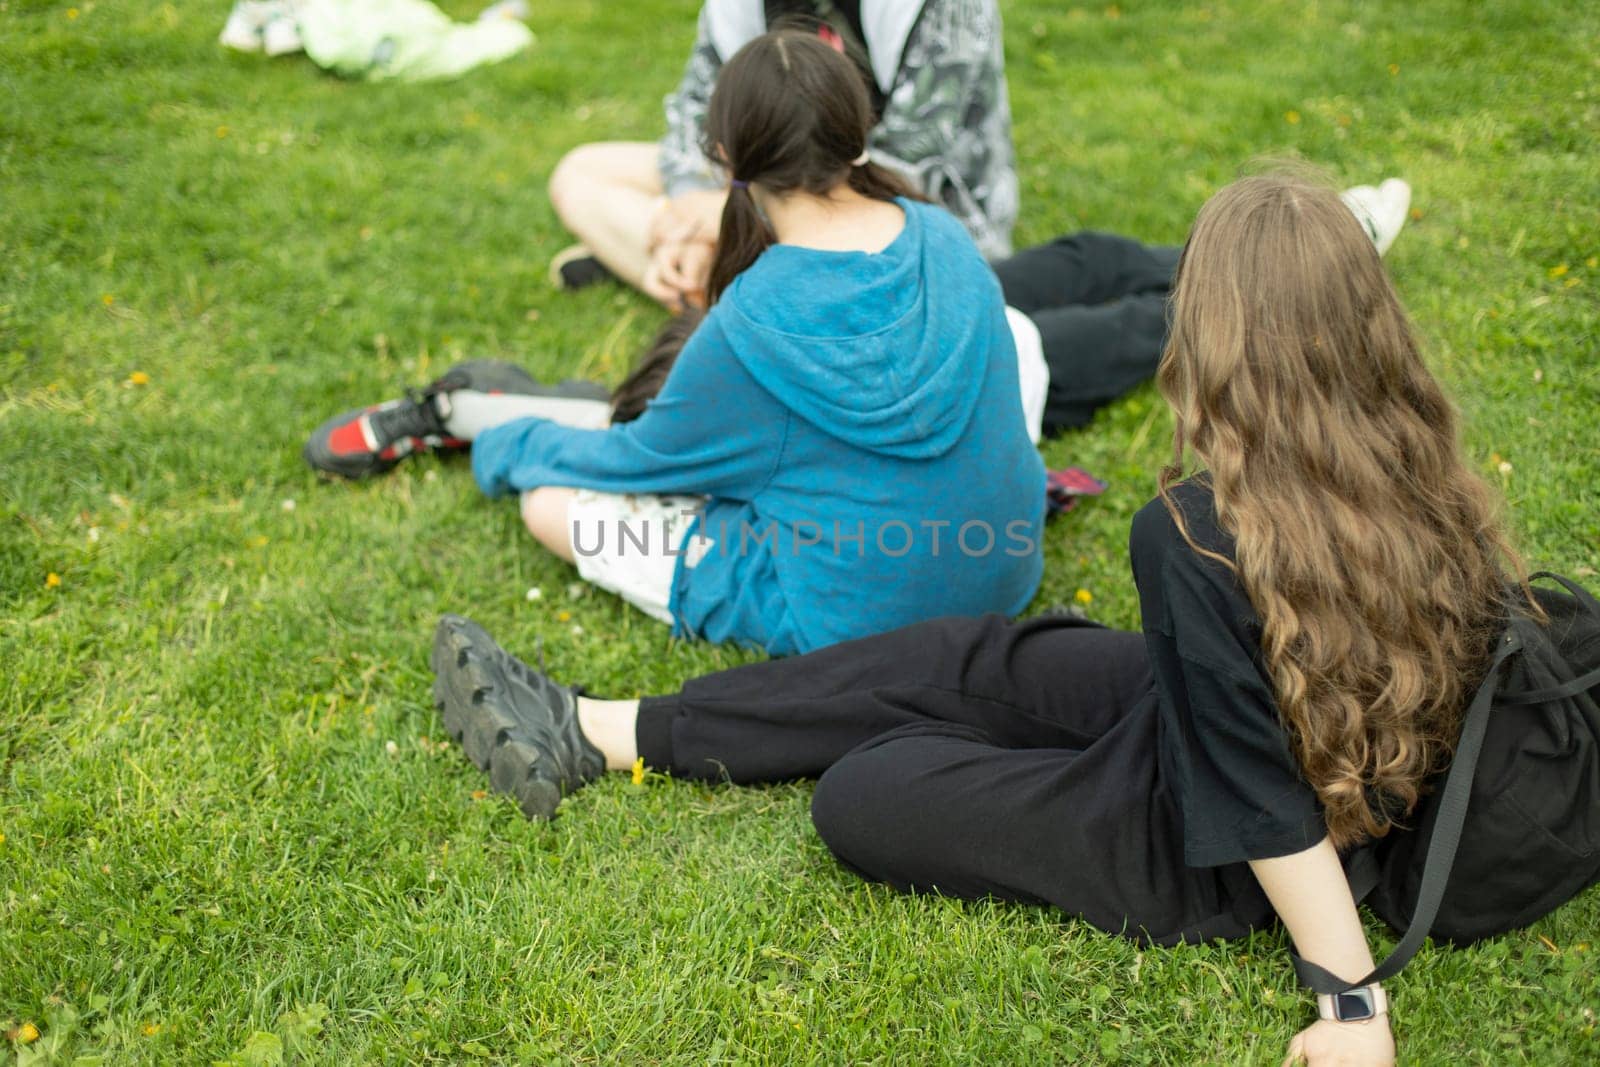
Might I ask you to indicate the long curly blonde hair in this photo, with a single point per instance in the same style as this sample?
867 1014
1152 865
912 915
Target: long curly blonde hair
1372 555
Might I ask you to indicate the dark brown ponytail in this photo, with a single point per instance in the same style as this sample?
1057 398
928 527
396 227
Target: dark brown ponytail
743 236
791 114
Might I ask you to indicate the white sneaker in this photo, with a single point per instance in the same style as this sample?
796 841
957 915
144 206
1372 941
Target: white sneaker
281 35
1381 210
242 31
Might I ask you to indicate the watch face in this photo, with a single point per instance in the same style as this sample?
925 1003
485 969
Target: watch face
1353 1005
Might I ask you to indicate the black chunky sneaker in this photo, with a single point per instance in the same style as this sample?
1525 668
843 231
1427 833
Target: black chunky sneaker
371 440
575 267
512 721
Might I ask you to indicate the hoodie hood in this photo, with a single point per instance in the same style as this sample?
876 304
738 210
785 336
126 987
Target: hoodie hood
886 25
885 351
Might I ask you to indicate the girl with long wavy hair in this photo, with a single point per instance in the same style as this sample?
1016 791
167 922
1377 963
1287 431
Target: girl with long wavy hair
1319 596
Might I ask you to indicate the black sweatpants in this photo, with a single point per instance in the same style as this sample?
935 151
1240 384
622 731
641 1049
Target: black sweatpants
1100 304
973 758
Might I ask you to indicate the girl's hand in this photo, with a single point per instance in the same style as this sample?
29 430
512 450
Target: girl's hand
1326 1043
690 270
677 275
658 290
690 216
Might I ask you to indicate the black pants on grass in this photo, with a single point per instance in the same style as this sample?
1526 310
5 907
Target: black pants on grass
1100 304
973 758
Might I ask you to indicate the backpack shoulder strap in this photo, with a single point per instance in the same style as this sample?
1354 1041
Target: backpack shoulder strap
1446 834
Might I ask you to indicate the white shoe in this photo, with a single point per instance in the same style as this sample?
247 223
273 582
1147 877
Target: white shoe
242 31
281 35
1381 210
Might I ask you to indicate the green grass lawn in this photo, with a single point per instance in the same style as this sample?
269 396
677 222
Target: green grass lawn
228 825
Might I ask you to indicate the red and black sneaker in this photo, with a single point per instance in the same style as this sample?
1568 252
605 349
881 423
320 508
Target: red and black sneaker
372 440
369 441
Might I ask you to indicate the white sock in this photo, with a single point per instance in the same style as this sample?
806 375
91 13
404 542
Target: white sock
467 413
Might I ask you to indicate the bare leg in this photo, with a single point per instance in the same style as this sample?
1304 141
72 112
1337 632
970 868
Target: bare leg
544 512
609 725
607 194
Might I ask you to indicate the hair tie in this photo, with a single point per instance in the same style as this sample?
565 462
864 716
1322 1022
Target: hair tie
863 159
737 184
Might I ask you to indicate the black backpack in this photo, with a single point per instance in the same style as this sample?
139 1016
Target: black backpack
1515 832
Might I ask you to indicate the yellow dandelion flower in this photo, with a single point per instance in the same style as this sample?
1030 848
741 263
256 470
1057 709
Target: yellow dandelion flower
1083 596
2 839
565 616
138 377
479 794
638 771
52 580
151 1029
222 131
1292 117
107 299
1558 270
258 541
72 13
27 1033
1592 262
1394 68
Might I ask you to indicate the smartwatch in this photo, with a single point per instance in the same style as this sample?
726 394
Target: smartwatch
1354 1005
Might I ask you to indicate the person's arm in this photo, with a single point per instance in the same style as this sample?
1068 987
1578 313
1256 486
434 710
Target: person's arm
947 123
711 430
1309 892
1236 782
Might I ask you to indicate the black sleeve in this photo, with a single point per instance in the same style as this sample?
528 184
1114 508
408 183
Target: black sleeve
1224 752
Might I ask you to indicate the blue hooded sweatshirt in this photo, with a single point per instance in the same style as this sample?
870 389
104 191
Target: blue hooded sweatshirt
856 422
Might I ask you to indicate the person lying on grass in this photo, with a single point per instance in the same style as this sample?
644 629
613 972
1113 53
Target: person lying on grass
1319 598
840 448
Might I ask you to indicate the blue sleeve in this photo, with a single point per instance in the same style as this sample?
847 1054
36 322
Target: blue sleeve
711 430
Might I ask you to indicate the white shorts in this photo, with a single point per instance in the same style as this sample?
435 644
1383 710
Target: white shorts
630 544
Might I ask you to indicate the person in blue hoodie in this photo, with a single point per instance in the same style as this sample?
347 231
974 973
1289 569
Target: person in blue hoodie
840 448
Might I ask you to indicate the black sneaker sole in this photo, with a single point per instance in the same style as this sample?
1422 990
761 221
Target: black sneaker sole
468 690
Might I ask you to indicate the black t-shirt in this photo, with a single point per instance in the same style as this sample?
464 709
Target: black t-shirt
1223 749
